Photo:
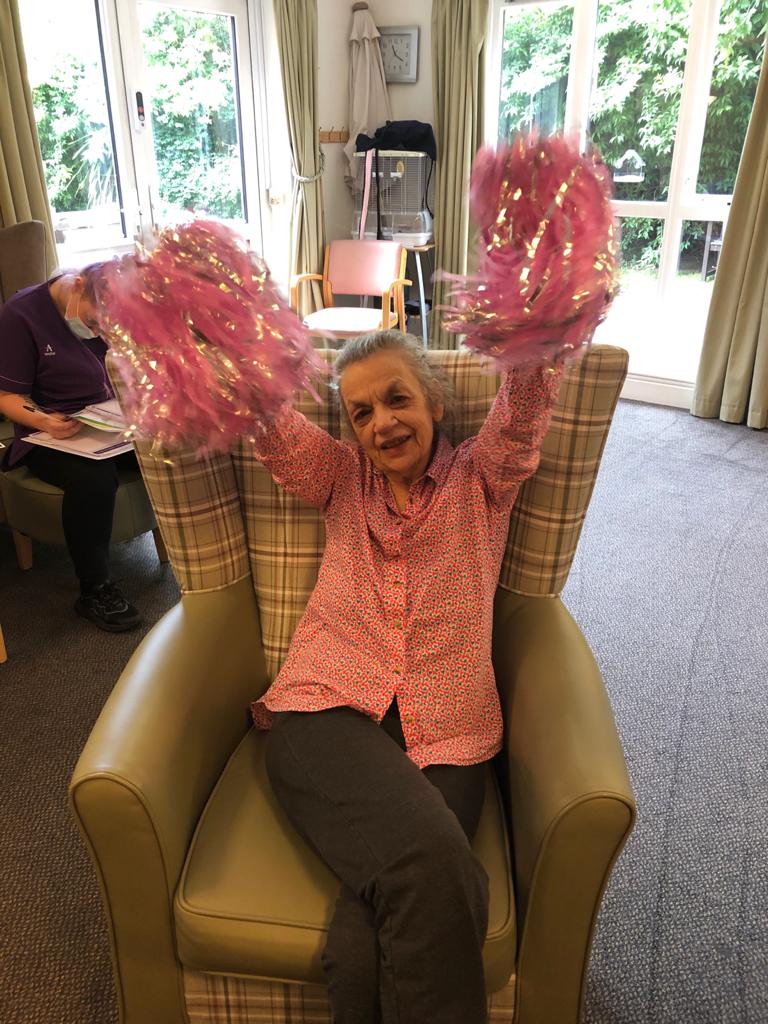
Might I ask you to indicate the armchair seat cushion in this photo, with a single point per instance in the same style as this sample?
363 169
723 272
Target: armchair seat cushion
344 321
253 899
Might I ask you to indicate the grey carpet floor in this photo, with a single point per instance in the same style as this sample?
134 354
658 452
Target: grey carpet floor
670 586
54 956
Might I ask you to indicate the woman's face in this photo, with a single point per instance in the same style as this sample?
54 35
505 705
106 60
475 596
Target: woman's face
80 307
390 414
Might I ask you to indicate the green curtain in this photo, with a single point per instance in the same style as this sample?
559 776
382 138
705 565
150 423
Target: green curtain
459 29
732 381
296 22
23 195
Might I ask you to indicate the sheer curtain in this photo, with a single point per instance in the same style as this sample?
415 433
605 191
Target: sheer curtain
23 194
296 23
732 381
459 29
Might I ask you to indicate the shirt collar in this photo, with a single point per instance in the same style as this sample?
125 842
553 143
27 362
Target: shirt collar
441 460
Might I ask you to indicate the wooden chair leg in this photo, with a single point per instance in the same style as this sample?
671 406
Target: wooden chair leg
3 652
162 552
23 545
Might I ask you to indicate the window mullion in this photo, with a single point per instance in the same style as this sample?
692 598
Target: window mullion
581 69
702 40
121 118
251 129
494 49
261 115
139 131
702 44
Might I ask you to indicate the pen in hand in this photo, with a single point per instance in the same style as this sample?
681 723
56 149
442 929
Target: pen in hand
45 412
58 424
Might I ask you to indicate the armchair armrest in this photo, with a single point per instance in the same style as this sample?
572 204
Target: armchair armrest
295 287
160 744
568 796
394 293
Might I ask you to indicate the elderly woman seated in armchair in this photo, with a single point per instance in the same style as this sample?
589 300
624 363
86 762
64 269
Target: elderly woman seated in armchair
386 709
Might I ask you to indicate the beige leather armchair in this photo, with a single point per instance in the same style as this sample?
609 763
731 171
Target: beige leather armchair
216 908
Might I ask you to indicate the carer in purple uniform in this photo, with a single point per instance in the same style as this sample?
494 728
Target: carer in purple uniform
51 364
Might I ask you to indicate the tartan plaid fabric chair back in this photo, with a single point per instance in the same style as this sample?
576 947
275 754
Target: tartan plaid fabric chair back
223 518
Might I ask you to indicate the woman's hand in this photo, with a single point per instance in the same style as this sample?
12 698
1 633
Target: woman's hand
58 425
22 409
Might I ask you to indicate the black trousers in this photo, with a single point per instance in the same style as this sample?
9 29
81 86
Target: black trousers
89 486
405 942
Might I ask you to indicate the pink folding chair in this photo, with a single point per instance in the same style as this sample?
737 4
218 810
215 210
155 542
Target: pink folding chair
366 267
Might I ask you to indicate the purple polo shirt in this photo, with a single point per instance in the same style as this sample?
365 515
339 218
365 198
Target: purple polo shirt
42 358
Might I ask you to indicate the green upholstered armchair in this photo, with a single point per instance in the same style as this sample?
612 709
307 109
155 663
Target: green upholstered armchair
22 257
217 910
22 262
31 507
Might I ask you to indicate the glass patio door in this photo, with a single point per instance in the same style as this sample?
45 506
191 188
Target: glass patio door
672 190
531 68
665 90
146 114
189 94
68 64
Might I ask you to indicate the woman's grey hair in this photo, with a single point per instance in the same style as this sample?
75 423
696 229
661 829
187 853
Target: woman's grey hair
434 382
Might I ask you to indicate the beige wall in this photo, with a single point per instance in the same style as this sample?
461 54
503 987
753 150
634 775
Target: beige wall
409 102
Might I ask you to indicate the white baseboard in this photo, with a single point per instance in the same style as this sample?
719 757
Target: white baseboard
658 391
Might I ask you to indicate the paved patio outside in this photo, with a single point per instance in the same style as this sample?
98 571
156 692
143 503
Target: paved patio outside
663 339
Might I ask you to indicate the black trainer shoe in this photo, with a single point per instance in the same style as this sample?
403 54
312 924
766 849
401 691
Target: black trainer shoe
106 606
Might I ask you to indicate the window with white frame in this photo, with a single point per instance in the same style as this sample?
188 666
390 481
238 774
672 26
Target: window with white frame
665 90
148 112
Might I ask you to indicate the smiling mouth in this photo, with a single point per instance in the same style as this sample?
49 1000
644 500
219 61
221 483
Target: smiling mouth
394 444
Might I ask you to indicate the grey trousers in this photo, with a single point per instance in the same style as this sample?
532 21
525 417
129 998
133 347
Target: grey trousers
405 942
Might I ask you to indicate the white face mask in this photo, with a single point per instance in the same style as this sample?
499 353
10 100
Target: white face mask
76 325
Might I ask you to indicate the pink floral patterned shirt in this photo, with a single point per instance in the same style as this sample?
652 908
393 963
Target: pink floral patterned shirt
403 604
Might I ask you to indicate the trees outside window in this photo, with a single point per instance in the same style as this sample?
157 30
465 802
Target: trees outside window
640 56
534 72
71 109
194 119
664 89
74 138
139 106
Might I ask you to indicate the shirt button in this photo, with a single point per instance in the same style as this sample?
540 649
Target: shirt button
397 623
398 671
397 583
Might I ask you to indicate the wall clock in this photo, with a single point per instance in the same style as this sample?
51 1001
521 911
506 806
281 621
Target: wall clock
400 52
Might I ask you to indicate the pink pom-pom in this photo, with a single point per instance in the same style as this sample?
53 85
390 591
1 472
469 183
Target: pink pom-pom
547 252
207 347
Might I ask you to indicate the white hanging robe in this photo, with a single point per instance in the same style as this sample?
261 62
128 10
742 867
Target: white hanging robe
369 106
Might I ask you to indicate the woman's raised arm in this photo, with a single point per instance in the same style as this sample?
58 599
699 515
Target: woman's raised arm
302 457
506 449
